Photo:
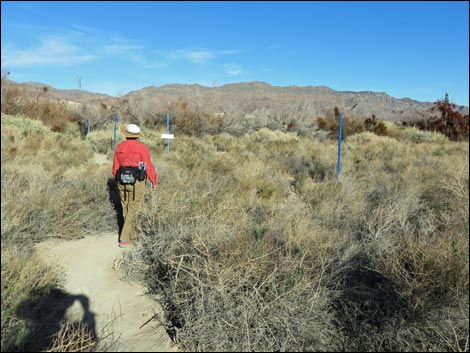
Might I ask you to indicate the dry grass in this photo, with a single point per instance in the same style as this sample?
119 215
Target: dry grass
254 244
73 338
48 185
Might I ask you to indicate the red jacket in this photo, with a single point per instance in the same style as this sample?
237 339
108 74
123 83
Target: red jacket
129 153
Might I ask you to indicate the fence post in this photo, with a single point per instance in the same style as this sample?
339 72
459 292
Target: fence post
339 143
168 136
167 131
115 127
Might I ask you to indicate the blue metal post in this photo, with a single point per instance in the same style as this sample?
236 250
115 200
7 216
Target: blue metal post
89 127
339 143
167 131
115 127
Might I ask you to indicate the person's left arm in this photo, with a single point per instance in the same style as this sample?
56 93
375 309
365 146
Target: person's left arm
151 172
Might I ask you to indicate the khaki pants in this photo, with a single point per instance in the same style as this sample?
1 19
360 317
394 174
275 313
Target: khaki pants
130 208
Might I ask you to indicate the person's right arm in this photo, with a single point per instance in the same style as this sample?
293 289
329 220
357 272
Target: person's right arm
116 165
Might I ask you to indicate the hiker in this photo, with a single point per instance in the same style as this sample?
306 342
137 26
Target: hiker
132 166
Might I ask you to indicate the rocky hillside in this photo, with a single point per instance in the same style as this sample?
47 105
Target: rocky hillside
255 99
35 89
261 98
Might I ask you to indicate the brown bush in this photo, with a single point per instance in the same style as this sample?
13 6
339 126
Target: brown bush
372 124
52 113
192 121
11 97
451 123
350 126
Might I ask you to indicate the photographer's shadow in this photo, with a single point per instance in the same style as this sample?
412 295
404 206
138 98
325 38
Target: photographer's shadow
46 311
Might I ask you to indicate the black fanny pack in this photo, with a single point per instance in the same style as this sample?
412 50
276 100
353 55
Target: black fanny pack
129 176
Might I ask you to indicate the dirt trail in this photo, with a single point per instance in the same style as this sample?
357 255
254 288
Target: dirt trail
118 308
124 318
100 158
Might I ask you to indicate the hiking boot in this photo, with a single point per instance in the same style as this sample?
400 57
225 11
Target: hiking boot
123 244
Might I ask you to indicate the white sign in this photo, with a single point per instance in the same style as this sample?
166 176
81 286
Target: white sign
168 136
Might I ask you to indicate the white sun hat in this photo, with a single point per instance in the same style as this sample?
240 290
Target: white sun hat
131 130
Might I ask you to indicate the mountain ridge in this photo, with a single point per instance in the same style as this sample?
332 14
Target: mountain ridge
256 97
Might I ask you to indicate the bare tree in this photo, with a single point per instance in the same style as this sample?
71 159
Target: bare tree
79 81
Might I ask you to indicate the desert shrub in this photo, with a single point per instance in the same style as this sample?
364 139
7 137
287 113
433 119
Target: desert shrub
350 126
25 125
311 161
101 141
374 125
51 113
57 115
232 257
418 135
409 133
267 136
451 123
11 97
331 124
193 121
72 130
53 203
413 235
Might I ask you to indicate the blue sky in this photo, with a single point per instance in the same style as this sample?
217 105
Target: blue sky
409 49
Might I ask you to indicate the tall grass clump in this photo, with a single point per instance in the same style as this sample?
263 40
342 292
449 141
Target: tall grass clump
412 239
229 257
48 185
416 135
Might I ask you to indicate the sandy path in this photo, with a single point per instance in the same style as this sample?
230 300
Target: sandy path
117 308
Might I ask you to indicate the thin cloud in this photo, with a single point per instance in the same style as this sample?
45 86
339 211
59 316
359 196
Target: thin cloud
81 30
68 50
54 50
119 46
146 61
154 65
198 56
233 69
195 56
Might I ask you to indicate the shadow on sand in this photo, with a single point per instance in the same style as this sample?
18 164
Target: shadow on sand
115 200
45 312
